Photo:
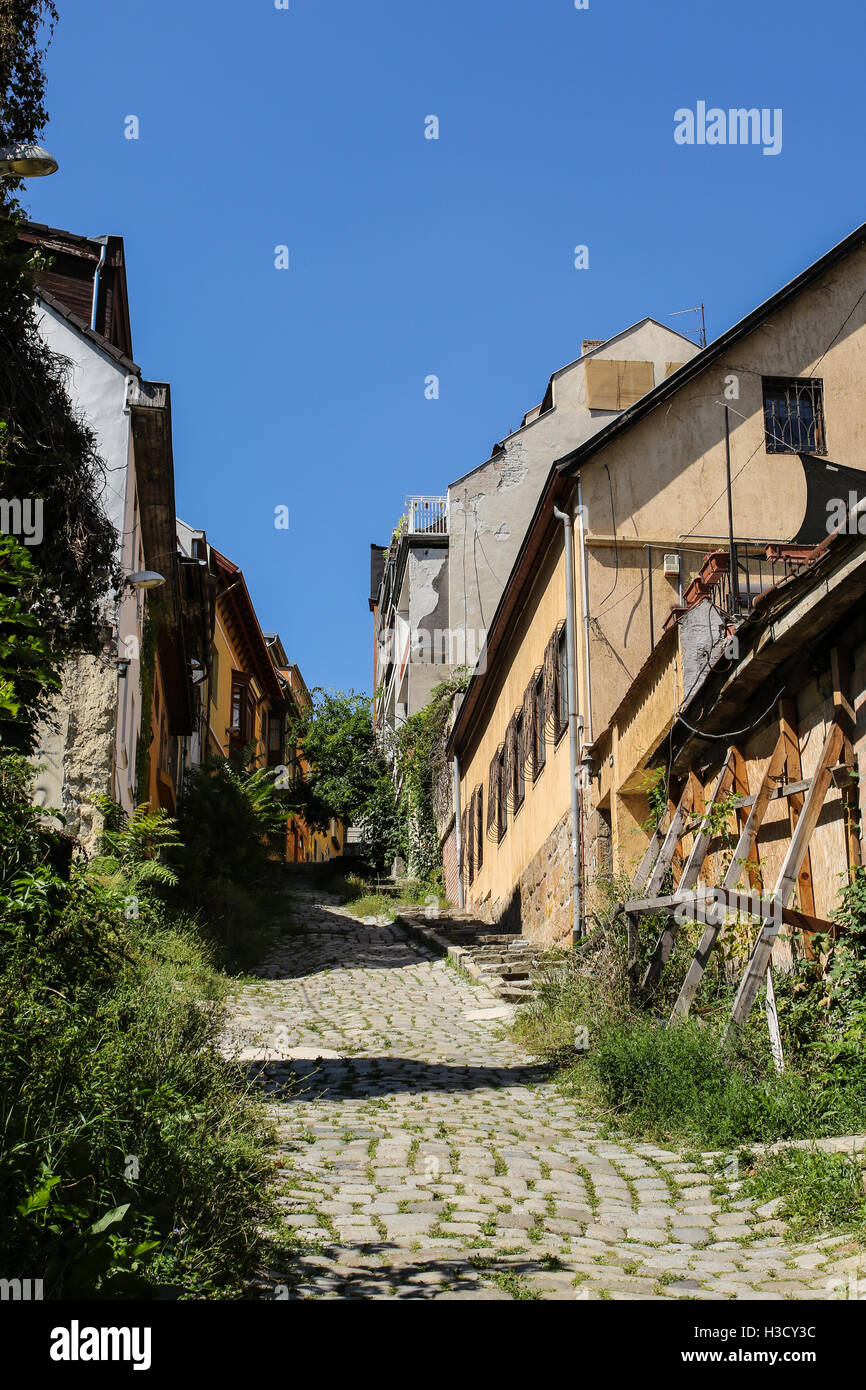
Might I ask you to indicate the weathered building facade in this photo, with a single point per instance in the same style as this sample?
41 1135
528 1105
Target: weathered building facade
91 744
639 514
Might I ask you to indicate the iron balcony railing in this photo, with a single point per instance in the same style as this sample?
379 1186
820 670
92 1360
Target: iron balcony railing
426 516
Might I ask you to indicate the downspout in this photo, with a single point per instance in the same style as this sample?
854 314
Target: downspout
568 546
457 832
585 597
96 281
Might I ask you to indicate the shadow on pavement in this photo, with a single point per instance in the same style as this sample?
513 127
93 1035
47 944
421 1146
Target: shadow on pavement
291 1080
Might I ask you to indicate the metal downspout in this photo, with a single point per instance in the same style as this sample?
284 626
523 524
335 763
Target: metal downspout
585 597
97 275
568 546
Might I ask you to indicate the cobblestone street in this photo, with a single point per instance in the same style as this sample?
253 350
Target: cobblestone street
425 1156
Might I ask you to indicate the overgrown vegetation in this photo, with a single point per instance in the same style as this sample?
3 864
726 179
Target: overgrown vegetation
821 1193
364 901
388 788
48 455
133 1158
619 1056
231 824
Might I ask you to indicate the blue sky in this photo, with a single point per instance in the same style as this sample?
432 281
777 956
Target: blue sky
304 127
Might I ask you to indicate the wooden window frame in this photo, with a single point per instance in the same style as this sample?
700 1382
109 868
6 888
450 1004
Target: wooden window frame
241 693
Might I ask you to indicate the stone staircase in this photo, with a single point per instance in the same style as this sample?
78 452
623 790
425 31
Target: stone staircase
504 961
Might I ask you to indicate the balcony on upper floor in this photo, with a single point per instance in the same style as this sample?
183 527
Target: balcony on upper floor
426 516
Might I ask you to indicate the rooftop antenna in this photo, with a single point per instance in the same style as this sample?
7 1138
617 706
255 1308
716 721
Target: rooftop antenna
698 309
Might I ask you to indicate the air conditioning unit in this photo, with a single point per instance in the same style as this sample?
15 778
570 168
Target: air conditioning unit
671 564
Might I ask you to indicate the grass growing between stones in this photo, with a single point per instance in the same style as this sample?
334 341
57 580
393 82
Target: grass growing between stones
821 1193
632 1072
360 896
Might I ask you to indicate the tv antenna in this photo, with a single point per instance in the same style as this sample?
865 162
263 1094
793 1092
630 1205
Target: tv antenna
702 329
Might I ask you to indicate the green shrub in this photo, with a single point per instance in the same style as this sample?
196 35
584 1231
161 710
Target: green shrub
822 1192
134 1158
678 1082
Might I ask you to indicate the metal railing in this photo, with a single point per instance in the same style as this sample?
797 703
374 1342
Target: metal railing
756 571
426 516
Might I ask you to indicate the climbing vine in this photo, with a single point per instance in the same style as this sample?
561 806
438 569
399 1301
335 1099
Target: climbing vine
421 774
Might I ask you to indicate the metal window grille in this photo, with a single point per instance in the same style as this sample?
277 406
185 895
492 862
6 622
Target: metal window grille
794 415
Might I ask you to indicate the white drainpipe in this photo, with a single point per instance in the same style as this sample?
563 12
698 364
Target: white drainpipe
568 545
581 535
96 278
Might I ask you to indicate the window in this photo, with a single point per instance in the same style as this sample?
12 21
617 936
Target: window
497 791
479 824
794 415
539 755
242 709
276 740
502 801
561 685
215 677
518 786
470 846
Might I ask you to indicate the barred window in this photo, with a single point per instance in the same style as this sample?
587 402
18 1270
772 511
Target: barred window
470 848
539 751
518 782
479 822
794 415
561 686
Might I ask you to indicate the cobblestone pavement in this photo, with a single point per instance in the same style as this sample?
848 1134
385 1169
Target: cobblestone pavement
425 1156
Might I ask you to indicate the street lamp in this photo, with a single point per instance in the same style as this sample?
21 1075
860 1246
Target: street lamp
145 579
25 161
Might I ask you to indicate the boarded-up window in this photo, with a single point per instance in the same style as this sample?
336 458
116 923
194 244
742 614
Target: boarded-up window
671 367
612 385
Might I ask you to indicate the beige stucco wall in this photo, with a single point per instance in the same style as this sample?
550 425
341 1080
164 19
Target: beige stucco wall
667 473
667 476
545 798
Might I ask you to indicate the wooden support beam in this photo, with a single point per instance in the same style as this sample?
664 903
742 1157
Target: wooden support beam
840 667
669 843
788 725
787 880
689 877
742 855
651 853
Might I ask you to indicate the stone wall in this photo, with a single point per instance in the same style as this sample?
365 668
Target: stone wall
75 754
540 907
449 865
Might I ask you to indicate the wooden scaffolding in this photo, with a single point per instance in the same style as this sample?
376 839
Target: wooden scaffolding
711 904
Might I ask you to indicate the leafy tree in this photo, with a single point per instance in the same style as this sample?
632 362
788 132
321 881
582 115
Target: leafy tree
27 671
350 774
422 774
47 453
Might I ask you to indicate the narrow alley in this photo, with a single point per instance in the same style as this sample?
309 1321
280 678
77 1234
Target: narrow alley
425 1156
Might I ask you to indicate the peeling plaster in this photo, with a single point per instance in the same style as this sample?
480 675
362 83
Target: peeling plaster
512 467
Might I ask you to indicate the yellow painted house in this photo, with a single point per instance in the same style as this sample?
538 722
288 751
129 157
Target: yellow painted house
716 483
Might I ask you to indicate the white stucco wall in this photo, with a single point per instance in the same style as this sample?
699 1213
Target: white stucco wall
76 767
